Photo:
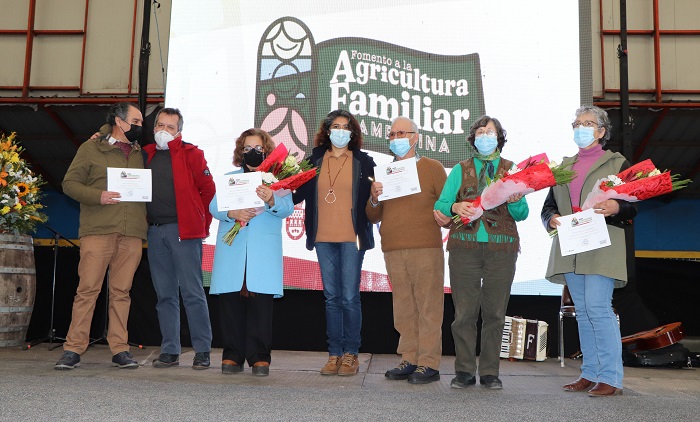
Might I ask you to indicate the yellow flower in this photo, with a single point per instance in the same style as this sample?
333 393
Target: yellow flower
23 189
17 206
14 158
4 210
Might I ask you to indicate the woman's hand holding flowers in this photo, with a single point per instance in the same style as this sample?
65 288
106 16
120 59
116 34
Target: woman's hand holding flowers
265 193
514 198
607 208
242 215
464 209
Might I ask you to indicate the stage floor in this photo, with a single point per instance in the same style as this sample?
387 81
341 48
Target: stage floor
31 389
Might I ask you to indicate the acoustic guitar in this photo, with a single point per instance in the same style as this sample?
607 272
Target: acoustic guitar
657 338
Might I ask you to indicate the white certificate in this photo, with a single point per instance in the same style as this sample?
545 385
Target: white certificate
582 232
134 185
237 191
398 179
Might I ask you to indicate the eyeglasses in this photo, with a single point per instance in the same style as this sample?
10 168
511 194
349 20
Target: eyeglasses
399 134
337 126
586 123
482 132
258 148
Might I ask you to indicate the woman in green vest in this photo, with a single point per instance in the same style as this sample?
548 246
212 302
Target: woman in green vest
482 255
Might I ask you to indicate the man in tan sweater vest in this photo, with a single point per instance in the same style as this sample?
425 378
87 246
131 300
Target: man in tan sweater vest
412 246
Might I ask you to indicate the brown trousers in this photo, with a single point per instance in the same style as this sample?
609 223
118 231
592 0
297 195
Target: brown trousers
122 255
480 281
417 282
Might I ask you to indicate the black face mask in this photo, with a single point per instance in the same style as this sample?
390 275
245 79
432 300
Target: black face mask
253 158
134 133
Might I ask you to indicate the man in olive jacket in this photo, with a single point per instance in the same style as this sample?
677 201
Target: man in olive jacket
111 235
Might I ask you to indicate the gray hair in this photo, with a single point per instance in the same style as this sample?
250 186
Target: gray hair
601 117
414 126
172 112
120 110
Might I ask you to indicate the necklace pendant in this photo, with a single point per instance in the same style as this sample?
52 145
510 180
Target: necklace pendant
330 195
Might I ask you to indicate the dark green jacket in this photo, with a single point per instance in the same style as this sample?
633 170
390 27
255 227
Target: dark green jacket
614 261
85 181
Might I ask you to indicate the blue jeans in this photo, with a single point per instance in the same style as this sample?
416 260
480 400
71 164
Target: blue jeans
341 265
176 268
598 330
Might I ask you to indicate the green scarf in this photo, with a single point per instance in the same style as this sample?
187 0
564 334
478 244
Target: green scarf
488 171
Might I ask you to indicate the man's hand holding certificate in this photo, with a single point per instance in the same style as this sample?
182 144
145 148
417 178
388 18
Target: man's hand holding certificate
134 185
237 191
582 232
399 178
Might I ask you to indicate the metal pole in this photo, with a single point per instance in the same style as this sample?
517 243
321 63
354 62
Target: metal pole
626 122
145 53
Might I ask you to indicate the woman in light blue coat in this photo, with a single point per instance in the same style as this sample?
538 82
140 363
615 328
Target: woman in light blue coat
248 274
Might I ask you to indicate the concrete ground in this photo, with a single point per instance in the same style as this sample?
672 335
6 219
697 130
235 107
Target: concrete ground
30 389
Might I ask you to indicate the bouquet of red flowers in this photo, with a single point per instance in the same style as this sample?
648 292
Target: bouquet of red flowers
531 175
282 173
639 182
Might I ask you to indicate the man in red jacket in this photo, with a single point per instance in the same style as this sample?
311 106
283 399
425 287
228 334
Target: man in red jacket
178 221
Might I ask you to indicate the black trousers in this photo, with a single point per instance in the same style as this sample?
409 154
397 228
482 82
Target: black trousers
246 327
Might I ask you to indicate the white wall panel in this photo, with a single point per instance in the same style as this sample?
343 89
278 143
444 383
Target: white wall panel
13 14
12 48
679 55
56 61
60 15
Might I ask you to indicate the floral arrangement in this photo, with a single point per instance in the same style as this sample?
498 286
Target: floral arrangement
639 182
535 173
19 190
282 173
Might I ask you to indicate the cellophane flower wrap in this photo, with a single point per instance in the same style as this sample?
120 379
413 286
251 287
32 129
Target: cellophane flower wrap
283 174
535 173
639 182
20 209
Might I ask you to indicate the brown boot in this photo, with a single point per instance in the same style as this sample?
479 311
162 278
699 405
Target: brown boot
602 389
331 367
349 365
580 384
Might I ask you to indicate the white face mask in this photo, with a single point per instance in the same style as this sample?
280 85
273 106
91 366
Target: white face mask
162 138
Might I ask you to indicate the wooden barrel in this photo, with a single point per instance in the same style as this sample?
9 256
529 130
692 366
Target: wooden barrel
17 288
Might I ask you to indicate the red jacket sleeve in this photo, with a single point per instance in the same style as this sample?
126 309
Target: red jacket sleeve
203 180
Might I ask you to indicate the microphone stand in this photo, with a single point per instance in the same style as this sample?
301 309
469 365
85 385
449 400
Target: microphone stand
51 336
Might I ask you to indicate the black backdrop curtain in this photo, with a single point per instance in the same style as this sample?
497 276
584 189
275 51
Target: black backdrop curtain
664 291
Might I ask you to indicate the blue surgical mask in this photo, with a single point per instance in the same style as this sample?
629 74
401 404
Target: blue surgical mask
400 146
340 137
583 136
486 144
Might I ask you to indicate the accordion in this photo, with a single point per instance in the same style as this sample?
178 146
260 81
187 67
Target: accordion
524 339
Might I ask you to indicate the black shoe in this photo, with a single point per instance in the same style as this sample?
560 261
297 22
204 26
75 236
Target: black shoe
462 380
424 375
166 360
201 360
491 382
401 372
124 360
230 367
68 361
